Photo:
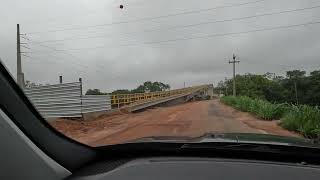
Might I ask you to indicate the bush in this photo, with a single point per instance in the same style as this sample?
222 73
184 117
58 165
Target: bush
229 100
269 111
303 119
261 108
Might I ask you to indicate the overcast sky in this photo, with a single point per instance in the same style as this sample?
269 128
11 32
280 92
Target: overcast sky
113 48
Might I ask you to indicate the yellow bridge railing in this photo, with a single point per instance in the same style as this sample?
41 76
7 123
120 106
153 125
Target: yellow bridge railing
119 100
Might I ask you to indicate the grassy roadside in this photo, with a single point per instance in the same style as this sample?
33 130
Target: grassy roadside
303 119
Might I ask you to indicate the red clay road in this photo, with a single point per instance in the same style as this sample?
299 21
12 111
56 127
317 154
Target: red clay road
190 119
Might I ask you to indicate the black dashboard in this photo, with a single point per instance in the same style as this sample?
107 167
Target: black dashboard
167 168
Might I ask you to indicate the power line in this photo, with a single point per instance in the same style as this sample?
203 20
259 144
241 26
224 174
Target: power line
76 58
149 18
268 63
189 25
25 55
55 50
57 61
53 19
24 46
40 59
201 37
51 48
24 37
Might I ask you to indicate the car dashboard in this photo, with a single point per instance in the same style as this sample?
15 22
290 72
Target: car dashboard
188 168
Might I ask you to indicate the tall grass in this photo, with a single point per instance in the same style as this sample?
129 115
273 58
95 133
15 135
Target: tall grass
262 109
303 119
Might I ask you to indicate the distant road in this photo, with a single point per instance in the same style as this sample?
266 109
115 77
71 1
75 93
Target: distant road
190 119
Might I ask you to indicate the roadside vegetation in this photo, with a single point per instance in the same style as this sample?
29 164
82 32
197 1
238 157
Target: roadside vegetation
297 87
303 119
293 98
300 118
261 108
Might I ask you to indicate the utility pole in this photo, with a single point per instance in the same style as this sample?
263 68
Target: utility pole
60 79
234 73
20 78
226 86
184 84
80 80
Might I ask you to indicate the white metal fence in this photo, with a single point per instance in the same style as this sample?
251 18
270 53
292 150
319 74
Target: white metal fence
95 103
65 100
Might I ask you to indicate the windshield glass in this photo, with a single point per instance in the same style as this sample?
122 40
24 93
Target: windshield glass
110 72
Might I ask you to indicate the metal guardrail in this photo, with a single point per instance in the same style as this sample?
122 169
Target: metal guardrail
119 100
65 100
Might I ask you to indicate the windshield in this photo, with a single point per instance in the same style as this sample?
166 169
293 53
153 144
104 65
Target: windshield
111 72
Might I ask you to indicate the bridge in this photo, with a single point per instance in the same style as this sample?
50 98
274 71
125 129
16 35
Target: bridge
140 101
66 100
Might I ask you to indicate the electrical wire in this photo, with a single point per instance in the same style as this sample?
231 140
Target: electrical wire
199 37
149 18
54 19
24 46
189 25
101 67
40 59
55 50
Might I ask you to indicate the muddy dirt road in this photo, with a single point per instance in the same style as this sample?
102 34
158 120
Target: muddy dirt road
190 119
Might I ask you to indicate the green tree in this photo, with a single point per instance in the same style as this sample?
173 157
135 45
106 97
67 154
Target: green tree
295 80
221 88
250 85
295 87
139 89
94 92
312 94
121 91
149 86
29 84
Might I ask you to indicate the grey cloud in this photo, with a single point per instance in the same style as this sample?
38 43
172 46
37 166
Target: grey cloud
196 61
